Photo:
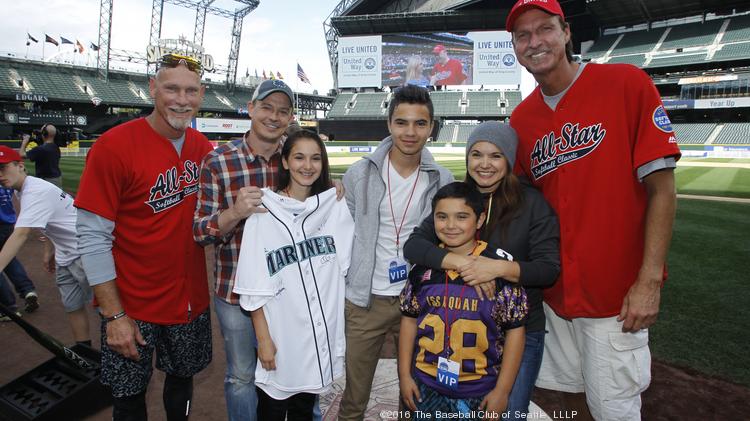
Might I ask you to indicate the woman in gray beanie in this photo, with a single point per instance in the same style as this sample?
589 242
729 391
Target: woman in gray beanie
521 227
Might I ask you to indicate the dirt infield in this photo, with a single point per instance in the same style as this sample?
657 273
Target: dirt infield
675 393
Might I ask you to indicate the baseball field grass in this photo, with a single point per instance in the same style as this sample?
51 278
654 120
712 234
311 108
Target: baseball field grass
702 324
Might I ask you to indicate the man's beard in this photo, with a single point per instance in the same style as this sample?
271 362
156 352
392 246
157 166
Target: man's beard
179 124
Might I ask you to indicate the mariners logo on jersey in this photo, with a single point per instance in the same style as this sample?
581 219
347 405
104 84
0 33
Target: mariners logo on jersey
552 152
307 249
171 187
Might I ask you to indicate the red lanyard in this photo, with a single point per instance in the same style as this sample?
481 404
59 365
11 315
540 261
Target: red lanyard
448 322
390 201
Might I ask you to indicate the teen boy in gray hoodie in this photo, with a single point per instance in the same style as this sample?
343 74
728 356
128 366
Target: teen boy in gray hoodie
389 193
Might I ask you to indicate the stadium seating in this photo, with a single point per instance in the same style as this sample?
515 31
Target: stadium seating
738 29
464 130
692 34
638 42
733 52
734 134
368 105
693 133
676 60
636 60
371 105
446 133
338 109
484 104
601 45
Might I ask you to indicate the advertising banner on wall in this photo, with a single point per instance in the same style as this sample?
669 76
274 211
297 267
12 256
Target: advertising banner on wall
359 61
475 58
221 125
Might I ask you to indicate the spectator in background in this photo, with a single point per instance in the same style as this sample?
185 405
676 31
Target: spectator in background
446 71
415 72
46 156
14 271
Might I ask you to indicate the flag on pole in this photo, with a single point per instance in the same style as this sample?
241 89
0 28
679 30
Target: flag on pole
51 40
247 72
264 75
256 73
32 39
94 47
270 75
302 76
65 40
79 46
278 76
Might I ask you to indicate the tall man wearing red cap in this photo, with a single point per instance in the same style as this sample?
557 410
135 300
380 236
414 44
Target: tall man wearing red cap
596 140
446 71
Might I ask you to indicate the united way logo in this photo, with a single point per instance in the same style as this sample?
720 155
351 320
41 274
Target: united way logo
552 152
509 60
370 63
661 120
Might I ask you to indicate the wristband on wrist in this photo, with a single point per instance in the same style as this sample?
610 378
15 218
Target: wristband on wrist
116 316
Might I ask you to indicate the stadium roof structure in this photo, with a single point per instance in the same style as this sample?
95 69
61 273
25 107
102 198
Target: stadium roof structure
588 17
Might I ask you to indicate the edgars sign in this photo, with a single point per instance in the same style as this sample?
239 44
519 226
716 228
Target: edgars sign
31 98
179 46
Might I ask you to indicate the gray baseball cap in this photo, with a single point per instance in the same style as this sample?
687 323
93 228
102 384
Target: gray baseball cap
267 87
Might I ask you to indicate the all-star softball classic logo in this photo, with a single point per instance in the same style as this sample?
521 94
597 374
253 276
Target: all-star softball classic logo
172 187
552 152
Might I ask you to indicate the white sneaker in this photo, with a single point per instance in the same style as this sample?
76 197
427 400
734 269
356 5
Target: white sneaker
32 302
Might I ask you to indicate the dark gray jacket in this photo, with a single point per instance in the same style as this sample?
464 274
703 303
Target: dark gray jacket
532 238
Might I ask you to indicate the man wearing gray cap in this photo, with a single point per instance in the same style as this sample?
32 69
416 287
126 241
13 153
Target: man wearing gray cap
230 181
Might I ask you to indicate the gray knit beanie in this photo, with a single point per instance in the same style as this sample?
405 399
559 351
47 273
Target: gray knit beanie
499 134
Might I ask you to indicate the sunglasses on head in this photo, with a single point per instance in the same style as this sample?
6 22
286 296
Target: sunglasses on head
174 60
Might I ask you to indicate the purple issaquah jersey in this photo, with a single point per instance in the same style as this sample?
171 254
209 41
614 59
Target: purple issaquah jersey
476 327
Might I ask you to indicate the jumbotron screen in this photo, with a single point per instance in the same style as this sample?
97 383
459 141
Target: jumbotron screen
474 58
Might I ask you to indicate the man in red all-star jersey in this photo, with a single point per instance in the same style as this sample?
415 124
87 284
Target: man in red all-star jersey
446 71
596 140
135 215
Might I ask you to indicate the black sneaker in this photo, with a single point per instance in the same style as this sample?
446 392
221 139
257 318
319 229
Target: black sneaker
32 302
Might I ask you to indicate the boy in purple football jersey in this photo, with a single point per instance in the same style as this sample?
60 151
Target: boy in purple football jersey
468 349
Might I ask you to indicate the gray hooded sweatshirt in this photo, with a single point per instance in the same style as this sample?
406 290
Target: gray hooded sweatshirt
365 190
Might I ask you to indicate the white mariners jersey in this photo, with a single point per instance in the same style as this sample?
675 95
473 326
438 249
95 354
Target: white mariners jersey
292 263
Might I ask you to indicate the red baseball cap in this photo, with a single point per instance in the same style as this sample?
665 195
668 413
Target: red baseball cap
550 6
9 155
438 49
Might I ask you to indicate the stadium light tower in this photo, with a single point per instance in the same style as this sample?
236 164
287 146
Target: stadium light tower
105 28
201 7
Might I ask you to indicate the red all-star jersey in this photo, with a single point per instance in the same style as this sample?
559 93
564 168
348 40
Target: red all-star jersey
134 177
584 157
450 73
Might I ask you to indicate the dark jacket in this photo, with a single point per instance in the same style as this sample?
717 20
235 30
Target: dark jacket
532 238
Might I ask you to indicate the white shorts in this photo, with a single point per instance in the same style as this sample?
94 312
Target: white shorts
594 356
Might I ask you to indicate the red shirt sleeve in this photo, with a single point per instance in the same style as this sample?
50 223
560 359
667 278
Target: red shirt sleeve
654 136
103 180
